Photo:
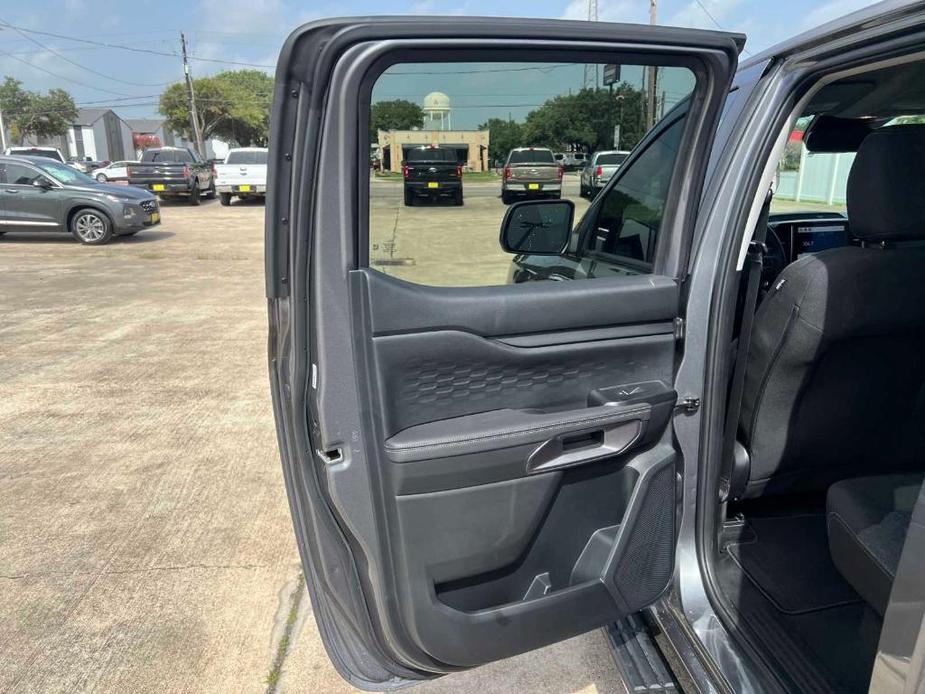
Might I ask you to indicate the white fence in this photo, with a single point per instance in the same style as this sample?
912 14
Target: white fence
820 178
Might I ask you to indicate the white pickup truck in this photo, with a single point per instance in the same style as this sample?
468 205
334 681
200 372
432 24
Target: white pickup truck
243 174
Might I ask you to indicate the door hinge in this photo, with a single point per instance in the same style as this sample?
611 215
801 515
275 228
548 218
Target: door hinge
688 405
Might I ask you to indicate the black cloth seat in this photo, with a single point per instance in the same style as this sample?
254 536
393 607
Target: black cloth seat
835 377
867 519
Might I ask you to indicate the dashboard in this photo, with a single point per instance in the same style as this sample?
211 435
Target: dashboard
791 235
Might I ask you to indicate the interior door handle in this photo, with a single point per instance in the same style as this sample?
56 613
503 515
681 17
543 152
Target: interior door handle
580 447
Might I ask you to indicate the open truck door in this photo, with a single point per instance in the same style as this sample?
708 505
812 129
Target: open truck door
473 472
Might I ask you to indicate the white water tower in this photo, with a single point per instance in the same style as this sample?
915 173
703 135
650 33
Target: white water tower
437 112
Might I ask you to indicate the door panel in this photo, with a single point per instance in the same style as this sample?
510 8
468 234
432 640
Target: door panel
519 472
494 570
28 208
398 307
473 472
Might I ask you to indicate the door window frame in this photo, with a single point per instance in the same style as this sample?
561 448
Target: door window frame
684 190
28 165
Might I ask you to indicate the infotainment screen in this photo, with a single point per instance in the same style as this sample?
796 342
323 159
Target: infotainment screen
819 237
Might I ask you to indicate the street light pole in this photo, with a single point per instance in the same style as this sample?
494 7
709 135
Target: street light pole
653 70
618 127
2 132
2 126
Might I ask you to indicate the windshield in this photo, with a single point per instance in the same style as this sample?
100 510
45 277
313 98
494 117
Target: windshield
36 152
175 156
64 173
245 157
614 159
531 156
432 154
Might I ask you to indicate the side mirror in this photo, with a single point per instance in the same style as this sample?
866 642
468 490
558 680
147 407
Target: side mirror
538 227
41 182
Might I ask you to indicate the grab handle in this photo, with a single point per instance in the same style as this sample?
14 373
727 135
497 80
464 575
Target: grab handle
586 446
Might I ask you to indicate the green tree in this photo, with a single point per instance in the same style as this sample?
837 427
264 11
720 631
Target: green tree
233 106
252 124
587 118
398 114
30 113
503 136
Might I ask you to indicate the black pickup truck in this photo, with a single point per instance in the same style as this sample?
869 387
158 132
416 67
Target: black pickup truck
173 172
432 173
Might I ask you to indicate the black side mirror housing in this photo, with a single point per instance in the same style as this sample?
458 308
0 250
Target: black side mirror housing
41 182
537 227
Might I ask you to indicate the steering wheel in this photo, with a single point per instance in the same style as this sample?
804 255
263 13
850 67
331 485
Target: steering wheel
774 261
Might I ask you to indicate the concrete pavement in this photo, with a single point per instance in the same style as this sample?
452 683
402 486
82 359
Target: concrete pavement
145 542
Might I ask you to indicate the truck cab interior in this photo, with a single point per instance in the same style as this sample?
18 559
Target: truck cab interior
828 455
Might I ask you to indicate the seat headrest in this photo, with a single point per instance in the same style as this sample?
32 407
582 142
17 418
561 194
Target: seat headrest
886 185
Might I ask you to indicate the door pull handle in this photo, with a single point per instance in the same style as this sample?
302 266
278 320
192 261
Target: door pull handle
580 447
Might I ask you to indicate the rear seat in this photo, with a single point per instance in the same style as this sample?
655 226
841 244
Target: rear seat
867 519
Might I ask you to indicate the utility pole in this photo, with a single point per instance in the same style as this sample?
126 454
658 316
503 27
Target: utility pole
193 115
653 70
591 71
2 127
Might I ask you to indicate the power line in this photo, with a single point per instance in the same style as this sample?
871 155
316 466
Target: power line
707 13
107 102
451 72
62 77
713 19
229 62
41 45
135 49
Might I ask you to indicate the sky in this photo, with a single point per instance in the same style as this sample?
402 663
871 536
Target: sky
509 91
231 34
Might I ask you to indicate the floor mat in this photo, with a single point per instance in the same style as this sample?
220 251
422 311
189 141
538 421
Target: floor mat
828 650
788 559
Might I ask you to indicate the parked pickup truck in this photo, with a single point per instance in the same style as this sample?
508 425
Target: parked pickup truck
432 173
173 172
531 172
244 174
36 151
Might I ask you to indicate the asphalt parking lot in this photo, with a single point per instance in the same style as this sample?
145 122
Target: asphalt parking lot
145 541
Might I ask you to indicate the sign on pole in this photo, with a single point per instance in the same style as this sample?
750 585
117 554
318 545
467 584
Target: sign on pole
611 74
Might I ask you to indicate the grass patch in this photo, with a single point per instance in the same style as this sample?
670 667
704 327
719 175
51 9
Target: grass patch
282 649
480 176
783 205
150 256
212 256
